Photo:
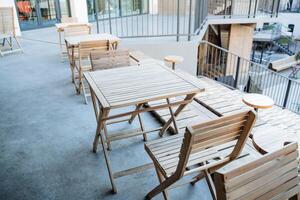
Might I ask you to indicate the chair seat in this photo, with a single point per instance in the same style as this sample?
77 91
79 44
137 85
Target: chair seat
165 152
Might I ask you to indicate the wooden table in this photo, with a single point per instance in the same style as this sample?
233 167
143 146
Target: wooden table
135 86
270 138
74 41
60 27
258 101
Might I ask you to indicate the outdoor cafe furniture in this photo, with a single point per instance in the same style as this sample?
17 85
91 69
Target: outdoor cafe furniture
73 42
8 32
204 148
273 176
73 28
273 138
258 101
132 87
108 59
82 63
173 60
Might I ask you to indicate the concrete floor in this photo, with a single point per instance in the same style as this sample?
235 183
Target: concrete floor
46 134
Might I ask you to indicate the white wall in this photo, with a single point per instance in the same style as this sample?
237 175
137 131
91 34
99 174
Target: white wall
79 10
11 3
291 18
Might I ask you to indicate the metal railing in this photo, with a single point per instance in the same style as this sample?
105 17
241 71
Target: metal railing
155 18
237 72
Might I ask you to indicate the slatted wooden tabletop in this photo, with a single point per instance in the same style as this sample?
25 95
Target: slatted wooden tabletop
61 26
138 84
75 40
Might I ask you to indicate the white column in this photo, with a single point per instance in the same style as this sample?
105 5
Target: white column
153 7
79 10
11 3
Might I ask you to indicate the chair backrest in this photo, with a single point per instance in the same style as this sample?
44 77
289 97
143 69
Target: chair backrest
86 48
274 176
230 129
101 60
65 19
77 30
7 24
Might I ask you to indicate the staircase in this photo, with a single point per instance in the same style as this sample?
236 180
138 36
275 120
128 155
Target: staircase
283 48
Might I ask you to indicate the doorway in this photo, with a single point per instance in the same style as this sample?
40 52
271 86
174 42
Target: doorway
40 13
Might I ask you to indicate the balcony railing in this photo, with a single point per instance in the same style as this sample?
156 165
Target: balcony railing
174 17
240 73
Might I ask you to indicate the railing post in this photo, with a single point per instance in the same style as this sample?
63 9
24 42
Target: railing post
225 9
287 93
109 17
249 11
255 9
272 8
96 14
190 21
248 85
237 72
278 5
178 21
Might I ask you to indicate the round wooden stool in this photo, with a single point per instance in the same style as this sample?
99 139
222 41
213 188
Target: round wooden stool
258 101
174 60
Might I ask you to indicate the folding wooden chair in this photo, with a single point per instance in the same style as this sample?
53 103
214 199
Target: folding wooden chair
8 32
203 149
74 30
102 60
84 64
274 176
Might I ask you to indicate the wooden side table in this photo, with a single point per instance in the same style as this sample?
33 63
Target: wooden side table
258 101
174 60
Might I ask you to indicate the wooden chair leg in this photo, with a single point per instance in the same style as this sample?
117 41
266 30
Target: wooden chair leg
107 139
161 178
84 93
210 185
160 188
142 127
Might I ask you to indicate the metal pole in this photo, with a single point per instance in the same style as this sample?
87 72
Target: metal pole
96 14
178 19
249 11
272 9
255 8
287 93
237 72
278 5
225 9
190 21
109 17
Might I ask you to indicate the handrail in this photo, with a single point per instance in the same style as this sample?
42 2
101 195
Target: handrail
231 69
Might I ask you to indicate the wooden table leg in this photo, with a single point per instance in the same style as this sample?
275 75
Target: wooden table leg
179 109
173 117
110 172
135 114
100 125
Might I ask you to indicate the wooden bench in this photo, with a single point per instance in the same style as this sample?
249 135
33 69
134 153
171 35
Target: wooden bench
203 149
273 176
283 64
